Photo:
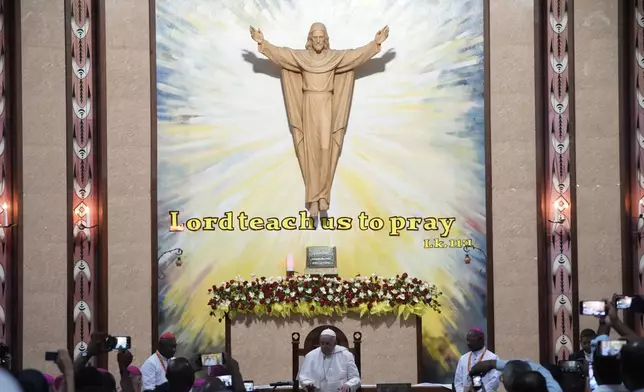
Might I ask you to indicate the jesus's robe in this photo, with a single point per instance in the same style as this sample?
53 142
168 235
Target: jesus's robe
329 373
318 89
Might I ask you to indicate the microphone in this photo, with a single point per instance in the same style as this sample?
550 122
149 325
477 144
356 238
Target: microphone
281 384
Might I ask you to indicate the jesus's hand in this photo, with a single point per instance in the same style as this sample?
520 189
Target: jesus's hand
382 35
345 388
256 35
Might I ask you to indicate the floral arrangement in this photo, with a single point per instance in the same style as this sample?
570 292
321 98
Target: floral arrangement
312 296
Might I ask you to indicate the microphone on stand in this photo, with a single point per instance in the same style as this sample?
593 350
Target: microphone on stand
280 384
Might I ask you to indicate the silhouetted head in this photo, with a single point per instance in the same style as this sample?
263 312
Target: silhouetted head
88 377
318 39
511 373
33 381
180 375
530 382
632 358
606 370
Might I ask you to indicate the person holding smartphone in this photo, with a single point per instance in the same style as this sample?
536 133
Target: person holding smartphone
153 371
477 352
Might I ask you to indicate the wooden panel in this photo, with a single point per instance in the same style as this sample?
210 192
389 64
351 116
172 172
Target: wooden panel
558 291
10 180
87 308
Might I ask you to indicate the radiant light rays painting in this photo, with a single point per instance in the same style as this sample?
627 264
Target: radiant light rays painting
415 147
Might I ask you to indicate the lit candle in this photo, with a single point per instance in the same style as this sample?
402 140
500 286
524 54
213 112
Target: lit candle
5 207
290 263
89 220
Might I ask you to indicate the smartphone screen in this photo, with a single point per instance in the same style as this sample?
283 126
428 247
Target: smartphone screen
592 308
610 348
212 359
122 343
227 380
477 382
249 386
624 302
51 356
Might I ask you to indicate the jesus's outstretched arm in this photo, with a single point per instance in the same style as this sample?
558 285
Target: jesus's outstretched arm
284 57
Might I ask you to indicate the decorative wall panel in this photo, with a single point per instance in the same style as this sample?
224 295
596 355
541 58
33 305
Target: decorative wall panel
85 173
9 285
635 54
559 258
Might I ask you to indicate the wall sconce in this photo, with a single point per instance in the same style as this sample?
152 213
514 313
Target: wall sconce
290 266
5 217
560 205
84 217
167 258
469 248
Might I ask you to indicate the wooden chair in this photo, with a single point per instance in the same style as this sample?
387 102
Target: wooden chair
312 341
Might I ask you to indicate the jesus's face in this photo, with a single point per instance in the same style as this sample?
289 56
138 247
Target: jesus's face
317 41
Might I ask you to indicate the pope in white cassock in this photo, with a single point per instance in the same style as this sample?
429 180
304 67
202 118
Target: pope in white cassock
478 352
329 368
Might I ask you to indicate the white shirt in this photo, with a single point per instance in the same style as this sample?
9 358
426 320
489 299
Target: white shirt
462 379
328 374
153 372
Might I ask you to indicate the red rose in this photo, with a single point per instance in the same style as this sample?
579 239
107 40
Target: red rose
415 280
261 301
269 310
338 278
305 284
405 276
312 308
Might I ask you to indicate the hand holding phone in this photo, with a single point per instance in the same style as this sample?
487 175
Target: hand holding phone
249 385
610 348
51 356
477 383
213 359
593 308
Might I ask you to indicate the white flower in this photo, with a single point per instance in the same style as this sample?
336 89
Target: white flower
300 289
287 291
329 297
251 294
394 291
369 292
415 299
322 290
361 295
346 286
381 293
227 290
309 291
388 296
261 295
401 296
354 290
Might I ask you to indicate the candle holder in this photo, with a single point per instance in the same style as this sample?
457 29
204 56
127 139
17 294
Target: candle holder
468 249
83 226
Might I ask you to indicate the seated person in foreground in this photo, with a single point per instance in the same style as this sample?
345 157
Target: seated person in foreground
511 370
329 368
478 352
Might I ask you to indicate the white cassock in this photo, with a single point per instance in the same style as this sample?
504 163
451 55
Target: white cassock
462 378
329 373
